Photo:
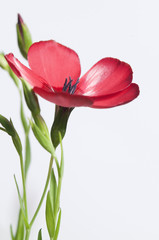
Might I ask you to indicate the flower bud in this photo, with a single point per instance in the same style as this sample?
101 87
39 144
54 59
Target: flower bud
41 124
60 123
42 139
23 36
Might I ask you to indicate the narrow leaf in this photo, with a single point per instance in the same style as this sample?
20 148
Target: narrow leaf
40 235
22 115
11 233
27 154
49 217
53 190
21 203
62 157
20 227
58 225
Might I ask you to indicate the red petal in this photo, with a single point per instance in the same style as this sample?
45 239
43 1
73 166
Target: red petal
22 71
107 76
64 99
116 99
54 62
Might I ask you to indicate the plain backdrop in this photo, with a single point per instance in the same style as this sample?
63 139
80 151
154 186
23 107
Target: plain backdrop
111 181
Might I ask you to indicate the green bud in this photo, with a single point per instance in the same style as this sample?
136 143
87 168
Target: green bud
41 124
42 139
31 98
60 123
23 36
9 128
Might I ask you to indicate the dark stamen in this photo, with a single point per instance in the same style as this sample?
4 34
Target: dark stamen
71 88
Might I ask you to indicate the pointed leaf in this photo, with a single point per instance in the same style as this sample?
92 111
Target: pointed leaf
11 233
9 128
49 217
62 157
20 227
22 115
27 154
53 190
40 235
21 203
58 226
7 125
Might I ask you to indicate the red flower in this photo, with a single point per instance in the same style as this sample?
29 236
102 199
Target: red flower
55 71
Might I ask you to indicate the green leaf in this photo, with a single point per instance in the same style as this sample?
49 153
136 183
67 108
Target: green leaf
42 139
40 235
53 190
9 128
27 154
49 217
20 227
11 233
21 204
7 125
22 115
62 157
58 225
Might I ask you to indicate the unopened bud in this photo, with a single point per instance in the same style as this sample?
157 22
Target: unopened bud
23 36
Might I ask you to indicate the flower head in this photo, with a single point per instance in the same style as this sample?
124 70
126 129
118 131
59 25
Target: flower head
55 75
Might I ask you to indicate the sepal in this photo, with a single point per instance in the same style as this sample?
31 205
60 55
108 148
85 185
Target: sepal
60 123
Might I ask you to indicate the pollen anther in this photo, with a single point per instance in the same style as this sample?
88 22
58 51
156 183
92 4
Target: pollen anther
68 87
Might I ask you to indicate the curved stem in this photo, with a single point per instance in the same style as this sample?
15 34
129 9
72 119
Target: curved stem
44 191
24 186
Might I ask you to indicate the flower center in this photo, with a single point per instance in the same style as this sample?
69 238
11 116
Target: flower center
69 87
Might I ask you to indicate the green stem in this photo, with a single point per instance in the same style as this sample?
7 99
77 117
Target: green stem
44 192
27 234
24 186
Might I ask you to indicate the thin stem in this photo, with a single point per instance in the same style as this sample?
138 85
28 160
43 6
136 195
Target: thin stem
24 186
27 234
44 191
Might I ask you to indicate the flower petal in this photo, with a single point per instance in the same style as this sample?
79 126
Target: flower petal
22 71
123 97
54 62
64 99
107 76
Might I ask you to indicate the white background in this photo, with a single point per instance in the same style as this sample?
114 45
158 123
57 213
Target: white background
111 181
